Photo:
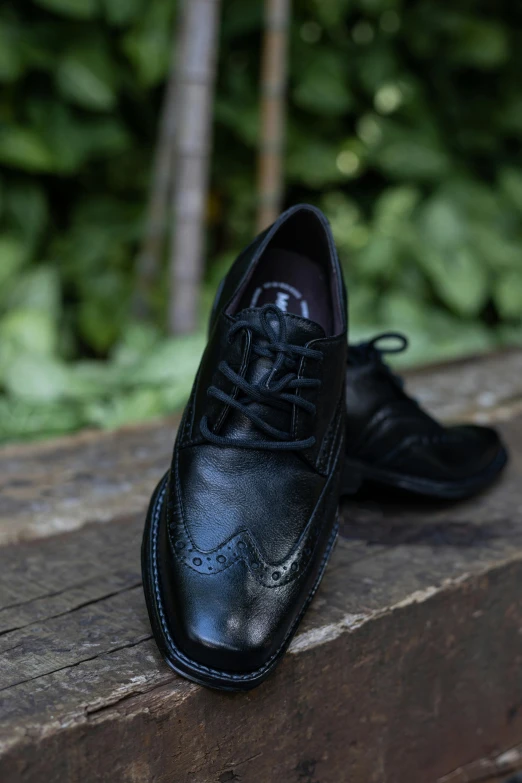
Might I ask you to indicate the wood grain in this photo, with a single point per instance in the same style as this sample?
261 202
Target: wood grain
406 669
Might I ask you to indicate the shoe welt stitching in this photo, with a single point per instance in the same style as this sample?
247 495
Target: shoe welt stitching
200 667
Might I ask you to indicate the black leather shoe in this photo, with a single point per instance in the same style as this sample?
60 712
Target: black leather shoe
391 441
240 529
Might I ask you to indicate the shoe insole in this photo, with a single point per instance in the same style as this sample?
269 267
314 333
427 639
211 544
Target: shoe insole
292 282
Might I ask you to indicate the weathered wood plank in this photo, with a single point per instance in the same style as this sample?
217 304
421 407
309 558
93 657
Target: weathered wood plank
47 578
492 769
483 389
60 485
406 668
393 699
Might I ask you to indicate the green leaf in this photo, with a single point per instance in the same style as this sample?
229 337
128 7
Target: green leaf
394 208
374 7
349 231
22 148
78 9
456 337
459 278
331 12
482 43
122 12
149 45
497 251
37 290
86 77
402 312
137 405
172 361
75 140
137 342
378 259
474 198
443 225
313 164
101 319
321 85
22 419
510 181
510 334
12 257
363 305
11 59
29 331
93 379
33 377
27 205
508 295
412 158
375 67
245 124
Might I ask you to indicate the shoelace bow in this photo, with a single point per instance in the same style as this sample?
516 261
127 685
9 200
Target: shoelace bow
371 351
282 394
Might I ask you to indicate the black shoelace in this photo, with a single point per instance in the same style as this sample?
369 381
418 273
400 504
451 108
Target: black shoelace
280 393
374 351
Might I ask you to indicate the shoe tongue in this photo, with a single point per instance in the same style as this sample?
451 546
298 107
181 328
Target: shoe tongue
299 330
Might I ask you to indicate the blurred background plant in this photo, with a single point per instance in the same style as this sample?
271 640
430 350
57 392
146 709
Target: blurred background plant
404 122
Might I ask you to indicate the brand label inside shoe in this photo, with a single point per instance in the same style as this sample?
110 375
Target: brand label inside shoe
284 296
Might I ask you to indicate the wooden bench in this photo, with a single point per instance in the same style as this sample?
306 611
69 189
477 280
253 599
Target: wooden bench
406 669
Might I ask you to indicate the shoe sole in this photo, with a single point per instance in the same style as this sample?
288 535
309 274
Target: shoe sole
356 473
176 659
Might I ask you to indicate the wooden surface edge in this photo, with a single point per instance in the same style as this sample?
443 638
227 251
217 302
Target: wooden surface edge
396 641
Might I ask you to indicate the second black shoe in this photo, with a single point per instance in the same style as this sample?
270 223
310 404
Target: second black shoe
240 529
391 441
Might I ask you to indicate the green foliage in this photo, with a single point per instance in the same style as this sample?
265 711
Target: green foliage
404 124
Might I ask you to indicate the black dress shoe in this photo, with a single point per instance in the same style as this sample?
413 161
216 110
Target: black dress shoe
392 442
240 529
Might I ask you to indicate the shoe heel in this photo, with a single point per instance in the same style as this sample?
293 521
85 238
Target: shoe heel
351 481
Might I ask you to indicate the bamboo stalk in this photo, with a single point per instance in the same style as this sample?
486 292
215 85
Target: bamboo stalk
198 55
274 70
148 263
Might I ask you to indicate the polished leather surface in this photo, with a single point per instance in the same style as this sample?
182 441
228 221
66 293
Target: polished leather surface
243 533
389 431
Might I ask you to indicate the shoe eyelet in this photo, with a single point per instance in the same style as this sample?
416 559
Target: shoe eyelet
197 561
